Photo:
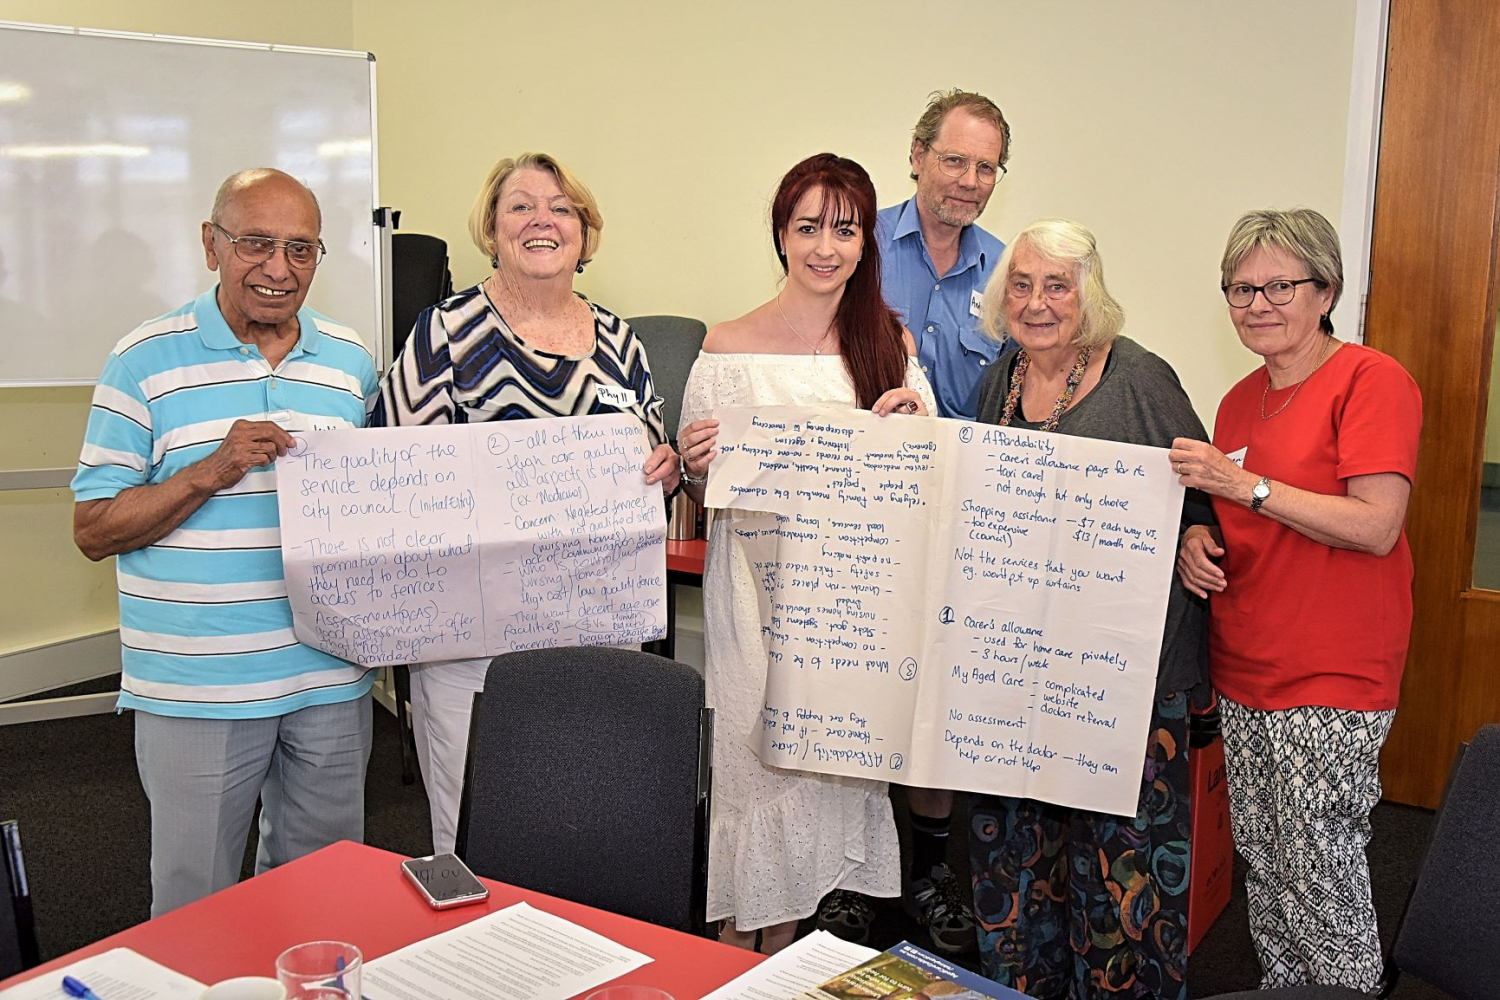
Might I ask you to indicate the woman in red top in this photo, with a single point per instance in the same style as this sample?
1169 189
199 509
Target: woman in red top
1310 471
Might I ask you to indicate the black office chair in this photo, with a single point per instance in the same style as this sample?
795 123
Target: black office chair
588 778
1450 933
419 279
18 945
672 345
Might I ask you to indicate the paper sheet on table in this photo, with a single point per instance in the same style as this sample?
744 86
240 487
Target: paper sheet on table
118 974
795 969
518 953
409 544
953 605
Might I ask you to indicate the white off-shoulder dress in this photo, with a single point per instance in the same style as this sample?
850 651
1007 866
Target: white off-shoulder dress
779 840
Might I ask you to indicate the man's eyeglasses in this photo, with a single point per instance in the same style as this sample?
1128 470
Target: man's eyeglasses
955 165
259 249
1279 292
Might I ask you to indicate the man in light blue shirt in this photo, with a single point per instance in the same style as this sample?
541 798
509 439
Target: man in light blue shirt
934 259
176 479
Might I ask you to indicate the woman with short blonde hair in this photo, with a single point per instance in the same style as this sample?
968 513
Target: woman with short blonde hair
482 216
522 344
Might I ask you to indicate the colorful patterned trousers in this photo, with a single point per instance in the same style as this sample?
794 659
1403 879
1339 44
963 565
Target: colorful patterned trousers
1302 782
1077 904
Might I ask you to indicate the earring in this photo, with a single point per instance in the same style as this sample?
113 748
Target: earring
580 267
494 260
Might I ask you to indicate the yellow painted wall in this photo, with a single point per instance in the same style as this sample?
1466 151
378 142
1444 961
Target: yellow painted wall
1154 122
320 23
49 591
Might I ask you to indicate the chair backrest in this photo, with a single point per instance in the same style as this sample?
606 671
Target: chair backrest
1450 935
419 278
672 345
588 779
18 945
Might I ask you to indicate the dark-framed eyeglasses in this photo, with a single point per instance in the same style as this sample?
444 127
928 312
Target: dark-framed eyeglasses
956 165
1279 292
259 249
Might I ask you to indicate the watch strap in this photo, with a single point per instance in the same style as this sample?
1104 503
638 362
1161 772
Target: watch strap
1259 493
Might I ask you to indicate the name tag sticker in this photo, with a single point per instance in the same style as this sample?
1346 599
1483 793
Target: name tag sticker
976 302
1238 457
614 395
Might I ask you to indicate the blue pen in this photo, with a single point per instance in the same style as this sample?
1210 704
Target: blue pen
74 988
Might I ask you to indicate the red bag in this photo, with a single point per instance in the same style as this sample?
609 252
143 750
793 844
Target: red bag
1212 857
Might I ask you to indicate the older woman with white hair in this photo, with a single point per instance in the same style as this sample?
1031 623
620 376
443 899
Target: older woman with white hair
1072 903
1310 471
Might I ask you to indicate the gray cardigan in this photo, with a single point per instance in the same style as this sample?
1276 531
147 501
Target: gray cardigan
1138 400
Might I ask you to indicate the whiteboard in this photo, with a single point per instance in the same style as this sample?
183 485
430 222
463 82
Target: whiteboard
111 148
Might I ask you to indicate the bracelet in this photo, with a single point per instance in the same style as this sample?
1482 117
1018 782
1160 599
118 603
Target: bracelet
691 479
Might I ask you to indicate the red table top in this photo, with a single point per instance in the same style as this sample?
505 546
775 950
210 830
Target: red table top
686 555
350 892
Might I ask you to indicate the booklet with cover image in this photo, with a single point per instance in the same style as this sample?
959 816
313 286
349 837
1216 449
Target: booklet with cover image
906 972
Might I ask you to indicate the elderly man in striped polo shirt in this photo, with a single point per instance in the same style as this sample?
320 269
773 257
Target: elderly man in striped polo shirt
175 479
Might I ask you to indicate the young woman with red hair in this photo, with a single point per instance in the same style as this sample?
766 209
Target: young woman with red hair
781 840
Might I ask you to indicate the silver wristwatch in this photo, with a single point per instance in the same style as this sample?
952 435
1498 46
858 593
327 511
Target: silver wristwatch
1259 492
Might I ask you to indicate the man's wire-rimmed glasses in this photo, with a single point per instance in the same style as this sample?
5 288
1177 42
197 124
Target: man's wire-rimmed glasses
956 165
259 249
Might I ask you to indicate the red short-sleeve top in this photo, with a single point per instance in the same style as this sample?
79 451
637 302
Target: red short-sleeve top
1300 622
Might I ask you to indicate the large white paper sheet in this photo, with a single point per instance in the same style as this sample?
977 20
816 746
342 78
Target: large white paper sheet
800 966
408 544
518 953
954 605
117 974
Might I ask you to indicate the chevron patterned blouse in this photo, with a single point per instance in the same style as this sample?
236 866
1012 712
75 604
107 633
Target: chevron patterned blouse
463 364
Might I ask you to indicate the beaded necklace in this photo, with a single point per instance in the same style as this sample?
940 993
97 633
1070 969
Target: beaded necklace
1018 377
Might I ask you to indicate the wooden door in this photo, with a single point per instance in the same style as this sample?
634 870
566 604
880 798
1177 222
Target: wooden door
1432 304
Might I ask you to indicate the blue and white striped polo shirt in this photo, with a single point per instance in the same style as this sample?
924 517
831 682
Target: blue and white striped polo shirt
205 625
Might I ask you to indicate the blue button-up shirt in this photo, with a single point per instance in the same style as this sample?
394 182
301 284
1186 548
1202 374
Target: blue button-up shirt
941 313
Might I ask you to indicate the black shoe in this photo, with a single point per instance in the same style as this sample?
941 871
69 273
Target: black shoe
941 903
847 915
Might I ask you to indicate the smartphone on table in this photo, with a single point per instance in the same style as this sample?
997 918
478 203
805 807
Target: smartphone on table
444 881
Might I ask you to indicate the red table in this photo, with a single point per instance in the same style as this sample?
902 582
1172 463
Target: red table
350 892
685 558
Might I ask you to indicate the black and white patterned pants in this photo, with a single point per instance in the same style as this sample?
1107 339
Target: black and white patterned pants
1302 782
